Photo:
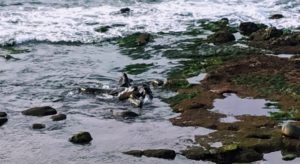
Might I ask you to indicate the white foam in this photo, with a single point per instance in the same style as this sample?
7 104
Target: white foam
77 24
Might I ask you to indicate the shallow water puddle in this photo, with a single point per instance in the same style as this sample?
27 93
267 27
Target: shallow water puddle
233 105
283 55
228 119
276 157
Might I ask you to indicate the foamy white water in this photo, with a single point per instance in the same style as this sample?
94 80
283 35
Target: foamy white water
56 23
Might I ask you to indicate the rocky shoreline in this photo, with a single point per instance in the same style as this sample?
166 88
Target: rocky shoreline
252 70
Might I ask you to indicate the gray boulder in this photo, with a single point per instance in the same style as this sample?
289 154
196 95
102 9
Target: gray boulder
40 111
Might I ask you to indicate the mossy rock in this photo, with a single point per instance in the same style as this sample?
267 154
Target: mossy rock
156 153
160 153
81 138
40 111
135 69
289 157
215 26
134 40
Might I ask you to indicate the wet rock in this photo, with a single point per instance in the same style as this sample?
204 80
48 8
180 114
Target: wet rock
143 39
290 130
40 111
276 16
266 34
81 138
136 153
8 57
124 114
247 28
157 82
59 117
3 114
94 90
160 153
221 37
135 40
3 120
38 126
289 157
125 10
289 40
103 29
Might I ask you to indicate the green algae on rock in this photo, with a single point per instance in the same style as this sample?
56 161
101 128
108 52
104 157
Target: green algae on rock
246 140
156 153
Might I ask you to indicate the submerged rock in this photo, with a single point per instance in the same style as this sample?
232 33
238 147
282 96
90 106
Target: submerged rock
40 111
247 28
221 37
94 91
289 157
124 114
156 153
143 39
3 114
160 153
3 120
38 126
81 138
276 16
102 29
59 117
125 10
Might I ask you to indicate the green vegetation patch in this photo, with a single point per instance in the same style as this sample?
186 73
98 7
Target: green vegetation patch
269 84
282 115
135 69
181 96
219 25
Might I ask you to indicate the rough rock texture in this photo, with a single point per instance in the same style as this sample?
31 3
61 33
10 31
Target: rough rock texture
81 138
247 28
156 153
40 111
38 126
247 139
59 117
276 16
221 37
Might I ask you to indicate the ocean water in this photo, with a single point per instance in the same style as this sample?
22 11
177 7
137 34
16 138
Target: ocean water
75 20
60 51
